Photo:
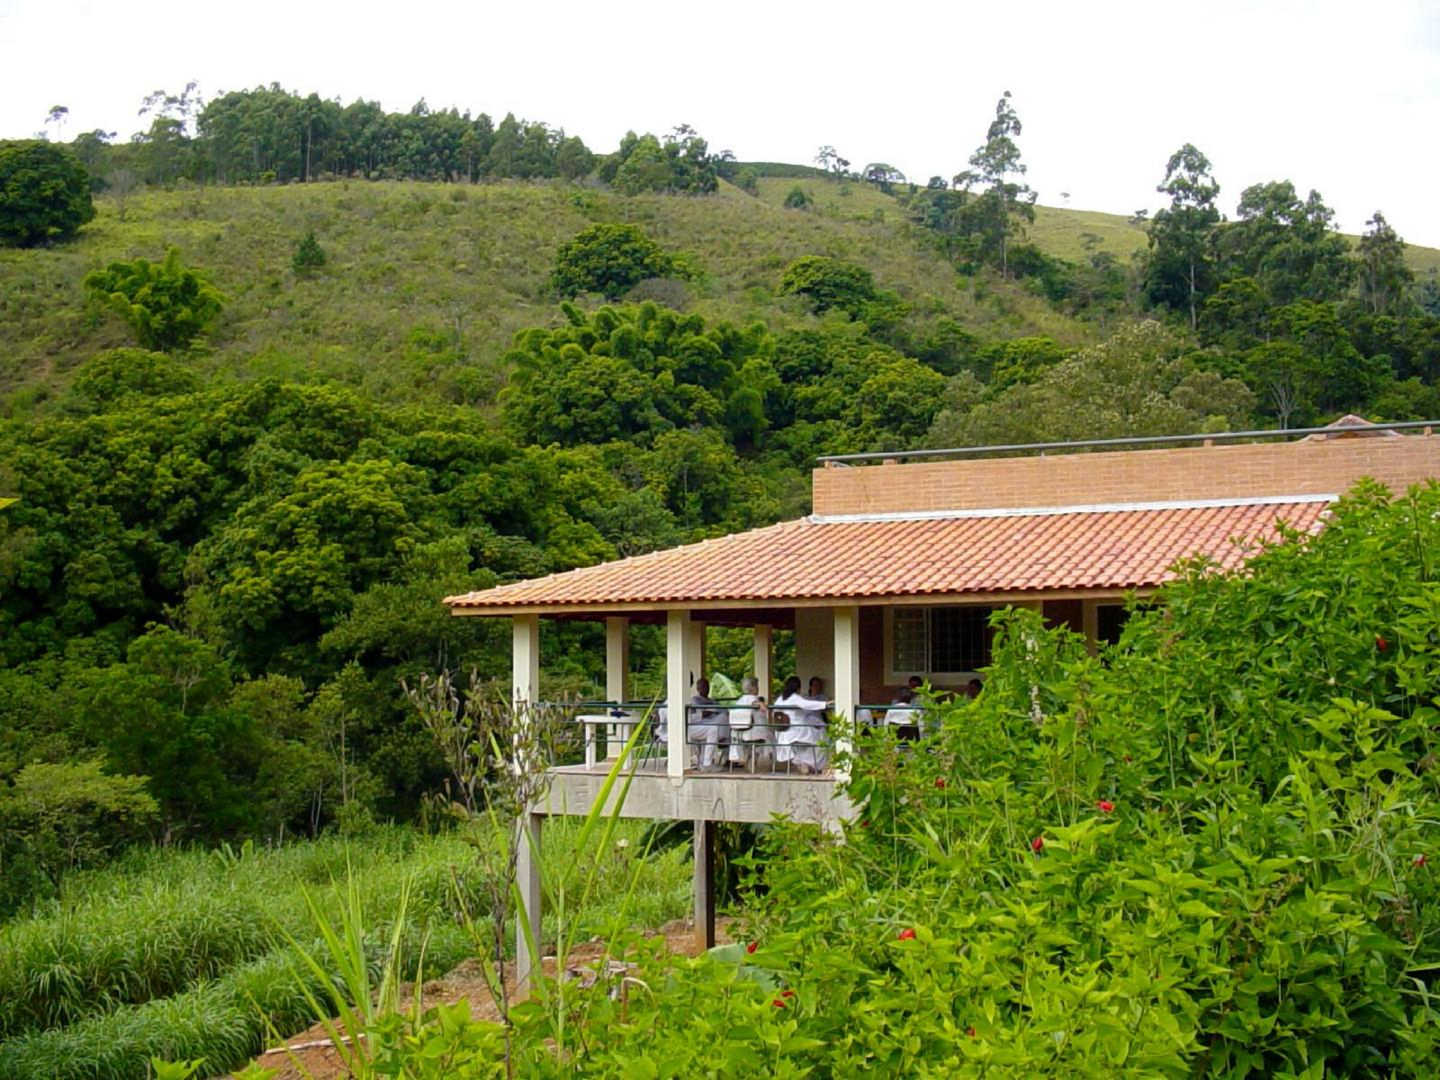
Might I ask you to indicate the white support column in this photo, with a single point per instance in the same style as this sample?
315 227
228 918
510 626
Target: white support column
695 651
527 880
679 638
847 670
1090 623
764 639
704 887
617 668
525 664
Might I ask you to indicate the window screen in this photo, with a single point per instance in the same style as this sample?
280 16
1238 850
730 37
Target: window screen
910 639
959 639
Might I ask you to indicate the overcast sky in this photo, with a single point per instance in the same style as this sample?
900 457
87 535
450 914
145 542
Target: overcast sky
1343 97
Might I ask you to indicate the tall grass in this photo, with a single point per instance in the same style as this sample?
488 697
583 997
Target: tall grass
146 957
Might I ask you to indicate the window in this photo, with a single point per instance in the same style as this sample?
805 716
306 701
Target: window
1109 621
938 641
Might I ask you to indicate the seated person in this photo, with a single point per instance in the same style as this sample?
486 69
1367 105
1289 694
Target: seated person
904 714
801 742
709 728
752 739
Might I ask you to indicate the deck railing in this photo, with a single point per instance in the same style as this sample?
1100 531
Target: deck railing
718 740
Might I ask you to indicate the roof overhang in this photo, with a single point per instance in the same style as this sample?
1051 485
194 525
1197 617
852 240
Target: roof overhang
970 556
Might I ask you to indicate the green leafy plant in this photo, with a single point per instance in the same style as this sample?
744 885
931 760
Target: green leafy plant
44 193
165 304
310 256
609 259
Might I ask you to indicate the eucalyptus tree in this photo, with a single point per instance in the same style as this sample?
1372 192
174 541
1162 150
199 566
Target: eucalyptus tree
1003 201
1181 268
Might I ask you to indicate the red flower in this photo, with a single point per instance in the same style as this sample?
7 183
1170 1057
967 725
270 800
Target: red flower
1127 759
1419 860
1105 806
940 782
1381 643
778 1003
752 946
787 993
1037 845
970 1031
907 934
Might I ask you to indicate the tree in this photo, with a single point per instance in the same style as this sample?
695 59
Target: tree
1181 267
1003 200
883 176
1289 247
798 199
829 283
44 193
1384 277
609 259
309 255
166 305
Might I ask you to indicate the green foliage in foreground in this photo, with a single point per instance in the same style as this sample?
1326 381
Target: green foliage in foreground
187 954
44 193
1208 852
166 305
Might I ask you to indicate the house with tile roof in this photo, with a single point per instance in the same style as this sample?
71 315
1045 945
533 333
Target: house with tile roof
897 570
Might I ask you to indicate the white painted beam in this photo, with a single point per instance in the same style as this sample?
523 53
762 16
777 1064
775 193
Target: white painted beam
847 673
525 662
679 638
764 645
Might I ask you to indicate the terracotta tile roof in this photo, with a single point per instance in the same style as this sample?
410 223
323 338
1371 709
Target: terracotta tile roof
973 552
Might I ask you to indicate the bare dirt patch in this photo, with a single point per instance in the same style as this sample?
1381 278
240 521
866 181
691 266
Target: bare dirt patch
311 1053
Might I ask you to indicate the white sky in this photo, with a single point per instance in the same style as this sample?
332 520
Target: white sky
1337 95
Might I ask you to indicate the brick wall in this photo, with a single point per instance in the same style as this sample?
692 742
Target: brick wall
1319 467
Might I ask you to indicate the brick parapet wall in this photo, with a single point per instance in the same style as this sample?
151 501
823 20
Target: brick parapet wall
1318 467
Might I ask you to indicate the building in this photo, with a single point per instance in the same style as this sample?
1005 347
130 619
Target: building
897 569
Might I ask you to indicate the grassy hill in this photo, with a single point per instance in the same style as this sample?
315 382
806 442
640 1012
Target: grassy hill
424 276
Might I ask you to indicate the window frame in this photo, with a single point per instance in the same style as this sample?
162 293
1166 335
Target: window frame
895 676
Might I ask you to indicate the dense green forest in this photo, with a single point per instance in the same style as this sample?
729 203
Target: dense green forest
257 426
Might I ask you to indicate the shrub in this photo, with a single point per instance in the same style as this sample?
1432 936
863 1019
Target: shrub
829 283
609 259
110 378
166 305
310 256
44 193
797 198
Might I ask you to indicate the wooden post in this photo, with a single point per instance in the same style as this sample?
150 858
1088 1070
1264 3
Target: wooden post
679 636
617 668
704 884
527 880
847 675
764 638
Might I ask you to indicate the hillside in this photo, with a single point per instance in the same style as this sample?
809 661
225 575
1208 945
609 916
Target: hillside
416 270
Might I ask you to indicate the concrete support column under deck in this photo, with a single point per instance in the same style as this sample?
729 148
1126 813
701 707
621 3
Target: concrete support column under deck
847 674
704 883
1090 619
764 638
617 668
527 880
525 691
679 670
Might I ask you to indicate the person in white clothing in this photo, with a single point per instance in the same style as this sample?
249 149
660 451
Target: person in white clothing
709 728
801 743
752 739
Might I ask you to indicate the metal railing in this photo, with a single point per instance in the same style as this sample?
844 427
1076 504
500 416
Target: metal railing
1129 440
714 742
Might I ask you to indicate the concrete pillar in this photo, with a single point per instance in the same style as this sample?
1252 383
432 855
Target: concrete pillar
764 641
525 660
1090 623
617 669
705 884
695 651
617 659
814 647
527 881
679 639
847 674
